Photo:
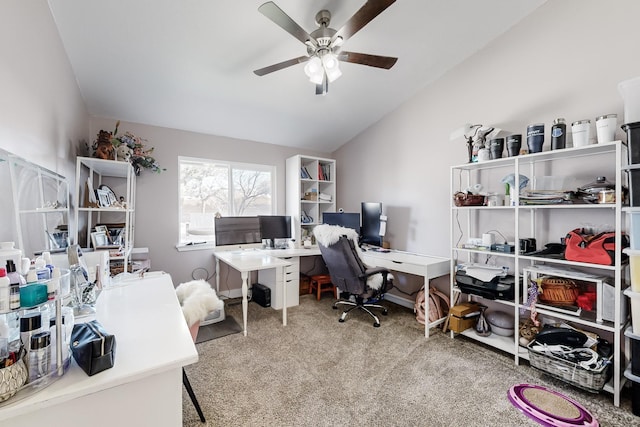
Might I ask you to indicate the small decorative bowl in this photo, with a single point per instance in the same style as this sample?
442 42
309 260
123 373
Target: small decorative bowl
11 379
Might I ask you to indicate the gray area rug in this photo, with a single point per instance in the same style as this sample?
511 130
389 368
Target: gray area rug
318 372
221 329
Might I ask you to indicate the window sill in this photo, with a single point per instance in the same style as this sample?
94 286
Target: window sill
195 246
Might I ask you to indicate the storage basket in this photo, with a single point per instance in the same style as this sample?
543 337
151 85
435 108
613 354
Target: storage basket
591 380
464 199
11 379
558 291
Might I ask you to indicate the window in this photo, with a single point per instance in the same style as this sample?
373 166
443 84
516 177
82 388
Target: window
210 187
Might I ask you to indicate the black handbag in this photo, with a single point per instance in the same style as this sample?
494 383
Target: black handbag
93 348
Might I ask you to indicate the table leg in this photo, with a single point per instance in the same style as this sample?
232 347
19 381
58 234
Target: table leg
245 303
284 296
426 306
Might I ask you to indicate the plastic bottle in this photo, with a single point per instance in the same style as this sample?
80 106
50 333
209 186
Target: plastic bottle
558 134
39 355
46 255
5 284
15 280
42 271
53 285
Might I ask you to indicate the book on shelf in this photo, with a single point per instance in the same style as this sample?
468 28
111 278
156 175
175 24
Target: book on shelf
304 173
324 172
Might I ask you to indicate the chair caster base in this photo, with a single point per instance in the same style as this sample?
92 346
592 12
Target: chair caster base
376 325
341 320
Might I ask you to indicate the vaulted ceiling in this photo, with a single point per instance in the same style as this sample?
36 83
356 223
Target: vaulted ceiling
188 64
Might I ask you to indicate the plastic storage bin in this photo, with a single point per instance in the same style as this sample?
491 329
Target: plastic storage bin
633 141
633 219
634 268
635 310
635 391
630 91
635 351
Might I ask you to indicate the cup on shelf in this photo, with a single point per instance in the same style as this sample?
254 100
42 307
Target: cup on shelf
581 132
606 128
514 144
535 137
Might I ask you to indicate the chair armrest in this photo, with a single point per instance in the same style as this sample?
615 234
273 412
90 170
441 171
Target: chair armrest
371 271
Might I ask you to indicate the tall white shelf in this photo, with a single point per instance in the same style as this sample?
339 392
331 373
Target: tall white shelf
120 177
321 179
547 223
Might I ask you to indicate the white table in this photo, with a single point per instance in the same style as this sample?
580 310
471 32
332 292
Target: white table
249 260
426 266
144 387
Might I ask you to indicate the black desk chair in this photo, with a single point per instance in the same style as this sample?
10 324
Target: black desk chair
359 287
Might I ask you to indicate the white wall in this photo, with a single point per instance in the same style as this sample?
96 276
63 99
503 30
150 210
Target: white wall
42 115
156 225
564 60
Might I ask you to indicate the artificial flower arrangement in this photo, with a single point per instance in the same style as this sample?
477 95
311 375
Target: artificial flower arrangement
127 147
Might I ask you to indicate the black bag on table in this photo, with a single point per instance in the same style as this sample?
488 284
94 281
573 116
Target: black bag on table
93 348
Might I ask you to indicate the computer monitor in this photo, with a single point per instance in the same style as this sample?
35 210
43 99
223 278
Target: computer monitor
274 227
238 232
370 231
344 219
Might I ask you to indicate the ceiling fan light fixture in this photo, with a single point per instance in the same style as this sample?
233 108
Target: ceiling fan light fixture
331 66
313 67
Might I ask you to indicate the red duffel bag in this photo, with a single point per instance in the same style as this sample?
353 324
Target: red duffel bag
593 248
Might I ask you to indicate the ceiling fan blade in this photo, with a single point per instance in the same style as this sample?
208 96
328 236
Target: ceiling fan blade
281 65
378 61
277 15
362 17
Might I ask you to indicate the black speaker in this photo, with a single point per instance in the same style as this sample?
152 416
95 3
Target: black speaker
261 294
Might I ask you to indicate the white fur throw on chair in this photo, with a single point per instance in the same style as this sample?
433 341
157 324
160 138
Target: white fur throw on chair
197 299
328 235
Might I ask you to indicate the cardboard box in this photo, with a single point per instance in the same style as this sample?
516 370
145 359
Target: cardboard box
463 316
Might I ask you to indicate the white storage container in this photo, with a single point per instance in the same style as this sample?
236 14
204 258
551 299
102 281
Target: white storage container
634 267
635 310
630 91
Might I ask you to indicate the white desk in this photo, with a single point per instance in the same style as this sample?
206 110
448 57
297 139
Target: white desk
144 387
426 266
252 260
249 260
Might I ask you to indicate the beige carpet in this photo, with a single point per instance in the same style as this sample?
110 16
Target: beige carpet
319 372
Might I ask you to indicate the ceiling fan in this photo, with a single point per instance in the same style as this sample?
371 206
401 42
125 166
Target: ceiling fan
324 44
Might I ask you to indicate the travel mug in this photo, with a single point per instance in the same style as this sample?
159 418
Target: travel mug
558 134
535 137
514 144
497 147
606 128
581 131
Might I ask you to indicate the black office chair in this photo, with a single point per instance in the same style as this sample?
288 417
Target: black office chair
360 287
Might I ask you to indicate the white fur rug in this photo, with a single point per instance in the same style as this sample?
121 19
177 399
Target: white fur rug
197 299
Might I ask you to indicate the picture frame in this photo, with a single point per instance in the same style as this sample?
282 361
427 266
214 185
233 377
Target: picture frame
99 239
102 228
110 194
103 198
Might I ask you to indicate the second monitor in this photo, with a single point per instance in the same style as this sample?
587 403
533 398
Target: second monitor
274 227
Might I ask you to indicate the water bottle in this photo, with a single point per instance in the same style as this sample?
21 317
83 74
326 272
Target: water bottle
558 134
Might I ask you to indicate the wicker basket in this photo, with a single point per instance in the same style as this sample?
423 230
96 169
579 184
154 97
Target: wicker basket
464 199
587 379
558 291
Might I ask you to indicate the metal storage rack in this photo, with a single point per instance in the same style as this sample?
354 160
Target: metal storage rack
541 221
